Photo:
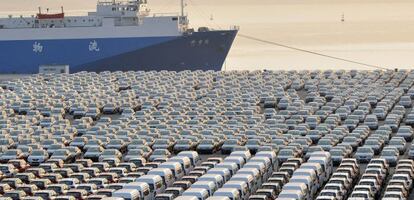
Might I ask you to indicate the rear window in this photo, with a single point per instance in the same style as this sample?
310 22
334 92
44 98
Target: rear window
162 198
43 195
75 194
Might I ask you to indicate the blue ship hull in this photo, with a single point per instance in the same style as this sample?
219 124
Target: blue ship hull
200 50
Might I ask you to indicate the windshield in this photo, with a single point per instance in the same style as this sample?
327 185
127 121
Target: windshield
231 142
84 187
55 146
115 142
367 183
10 153
286 153
54 188
365 150
332 194
349 139
388 153
183 142
37 153
43 195
92 142
60 153
135 152
394 189
104 193
324 142
268 187
109 153
94 149
330 187
336 181
206 142
161 142
160 152
4 142
175 192
371 142
336 153
162 198
66 182
75 194
395 142
96 182
138 142
362 189
13 195
78 140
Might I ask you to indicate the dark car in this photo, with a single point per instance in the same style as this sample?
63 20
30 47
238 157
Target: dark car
29 189
41 183
60 189
207 146
63 154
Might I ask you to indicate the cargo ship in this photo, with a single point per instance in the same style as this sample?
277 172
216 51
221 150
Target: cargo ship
118 36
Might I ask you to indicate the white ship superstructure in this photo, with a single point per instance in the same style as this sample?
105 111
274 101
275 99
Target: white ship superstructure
116 28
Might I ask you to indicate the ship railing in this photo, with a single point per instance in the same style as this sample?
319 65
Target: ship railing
165 14
110 3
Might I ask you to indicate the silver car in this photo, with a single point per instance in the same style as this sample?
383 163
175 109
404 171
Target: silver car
364 154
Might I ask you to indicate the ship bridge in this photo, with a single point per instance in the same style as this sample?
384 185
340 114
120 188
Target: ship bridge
137 8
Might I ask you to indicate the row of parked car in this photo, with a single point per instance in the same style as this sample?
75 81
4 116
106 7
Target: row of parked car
400 184
306 179
342 181
143 119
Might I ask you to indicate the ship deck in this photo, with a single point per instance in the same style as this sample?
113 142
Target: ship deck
8 77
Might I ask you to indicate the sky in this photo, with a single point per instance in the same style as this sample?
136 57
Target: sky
377 32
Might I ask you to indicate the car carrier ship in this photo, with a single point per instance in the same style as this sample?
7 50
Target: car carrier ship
119 36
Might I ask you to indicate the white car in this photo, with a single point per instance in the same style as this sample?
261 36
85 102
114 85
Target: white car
37 156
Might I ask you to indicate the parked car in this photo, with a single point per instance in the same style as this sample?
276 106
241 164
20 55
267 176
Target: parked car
37 156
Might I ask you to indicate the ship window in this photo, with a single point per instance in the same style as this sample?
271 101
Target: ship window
69 20
175 18
113 9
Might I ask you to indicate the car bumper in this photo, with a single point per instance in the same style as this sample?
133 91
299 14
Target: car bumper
226 150
205 150
363 159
